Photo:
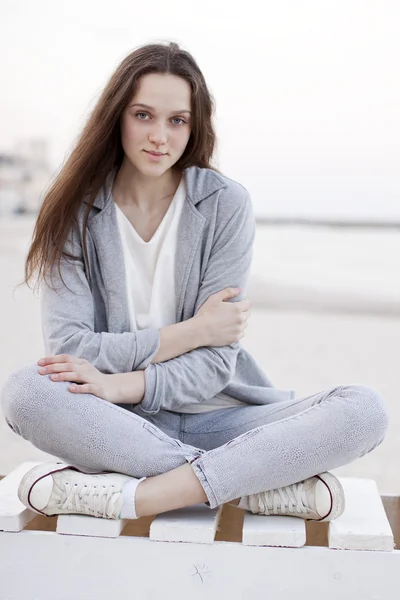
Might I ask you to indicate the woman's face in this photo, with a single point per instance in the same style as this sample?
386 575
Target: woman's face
157 119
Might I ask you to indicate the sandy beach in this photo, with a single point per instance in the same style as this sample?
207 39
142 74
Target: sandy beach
326 311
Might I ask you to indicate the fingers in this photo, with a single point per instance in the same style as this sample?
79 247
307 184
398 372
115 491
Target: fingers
67 376
227 293
87 388
66 371
244 304
58 368
60 358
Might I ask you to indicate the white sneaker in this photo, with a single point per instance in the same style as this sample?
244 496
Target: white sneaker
56 488
319 498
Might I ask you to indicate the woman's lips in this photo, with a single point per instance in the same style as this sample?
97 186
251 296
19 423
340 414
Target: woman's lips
153 155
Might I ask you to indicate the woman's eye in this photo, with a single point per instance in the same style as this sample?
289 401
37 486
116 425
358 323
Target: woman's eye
144 115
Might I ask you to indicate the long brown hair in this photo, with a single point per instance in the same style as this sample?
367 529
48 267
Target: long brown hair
98 149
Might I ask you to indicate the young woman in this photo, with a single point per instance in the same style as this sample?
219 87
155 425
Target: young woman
146 396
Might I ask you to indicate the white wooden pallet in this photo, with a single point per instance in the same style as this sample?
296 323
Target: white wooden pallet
197 553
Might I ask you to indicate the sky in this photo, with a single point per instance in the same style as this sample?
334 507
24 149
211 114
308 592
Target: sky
307 91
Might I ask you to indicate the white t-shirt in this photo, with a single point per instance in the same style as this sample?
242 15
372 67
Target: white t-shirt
152 303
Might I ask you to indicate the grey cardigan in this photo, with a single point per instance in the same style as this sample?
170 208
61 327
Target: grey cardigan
214 250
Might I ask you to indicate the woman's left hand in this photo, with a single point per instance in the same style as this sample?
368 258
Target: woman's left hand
65 367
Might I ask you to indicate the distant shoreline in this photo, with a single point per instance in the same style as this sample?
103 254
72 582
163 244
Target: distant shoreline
335 223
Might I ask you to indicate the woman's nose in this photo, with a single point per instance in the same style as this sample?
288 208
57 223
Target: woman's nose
158 135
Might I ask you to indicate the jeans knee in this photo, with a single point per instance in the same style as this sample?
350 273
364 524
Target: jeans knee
18 393
371 418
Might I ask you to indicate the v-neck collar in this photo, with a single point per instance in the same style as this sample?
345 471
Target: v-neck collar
160 227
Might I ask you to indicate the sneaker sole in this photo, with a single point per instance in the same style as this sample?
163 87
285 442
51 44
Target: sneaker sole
338 498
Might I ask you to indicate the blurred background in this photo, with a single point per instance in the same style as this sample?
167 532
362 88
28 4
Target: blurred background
307 116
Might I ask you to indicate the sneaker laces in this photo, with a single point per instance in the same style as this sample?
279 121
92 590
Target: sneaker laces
92 500
285 500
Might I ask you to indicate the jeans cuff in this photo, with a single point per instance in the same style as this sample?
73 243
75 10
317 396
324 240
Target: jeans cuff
198 471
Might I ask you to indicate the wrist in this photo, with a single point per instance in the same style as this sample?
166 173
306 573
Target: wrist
139 386
199 331
129 388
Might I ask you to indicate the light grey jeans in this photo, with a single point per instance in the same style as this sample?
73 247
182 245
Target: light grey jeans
233 452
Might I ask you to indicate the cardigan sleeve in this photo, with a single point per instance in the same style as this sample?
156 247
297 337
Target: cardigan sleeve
204 372
67 316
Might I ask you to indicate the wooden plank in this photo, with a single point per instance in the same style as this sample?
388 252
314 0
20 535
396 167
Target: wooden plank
196 524
230 526
259 530
391 504
13 514
33 563
90 526
363 524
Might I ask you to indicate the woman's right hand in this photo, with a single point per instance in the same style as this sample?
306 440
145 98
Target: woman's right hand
221 322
